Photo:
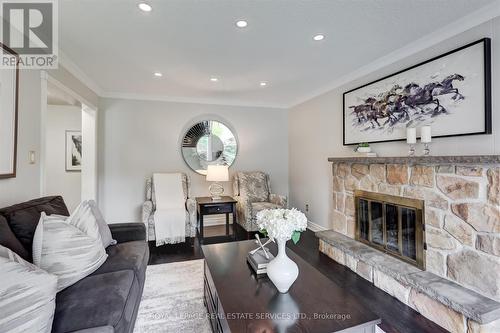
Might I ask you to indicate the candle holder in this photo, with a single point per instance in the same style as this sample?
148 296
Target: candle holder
427 150
411 151
426 138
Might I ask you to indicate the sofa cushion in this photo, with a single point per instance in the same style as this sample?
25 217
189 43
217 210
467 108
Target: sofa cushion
23 218
129 255
108 299
9 240
128 232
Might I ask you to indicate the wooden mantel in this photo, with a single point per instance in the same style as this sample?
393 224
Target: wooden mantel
473 159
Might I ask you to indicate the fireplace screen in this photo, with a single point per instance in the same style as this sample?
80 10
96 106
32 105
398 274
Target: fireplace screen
391 224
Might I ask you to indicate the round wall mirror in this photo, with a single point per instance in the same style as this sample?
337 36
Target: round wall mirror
206 143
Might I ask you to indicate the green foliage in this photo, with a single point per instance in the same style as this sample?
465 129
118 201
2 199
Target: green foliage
264 232
364 145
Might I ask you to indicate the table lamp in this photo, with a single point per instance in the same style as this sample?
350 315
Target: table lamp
216 174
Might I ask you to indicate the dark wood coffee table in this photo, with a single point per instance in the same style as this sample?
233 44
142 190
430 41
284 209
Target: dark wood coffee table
239 301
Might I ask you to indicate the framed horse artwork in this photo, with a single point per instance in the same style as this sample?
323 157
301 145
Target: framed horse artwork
451 92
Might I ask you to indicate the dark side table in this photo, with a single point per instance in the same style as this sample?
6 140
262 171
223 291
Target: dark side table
207 206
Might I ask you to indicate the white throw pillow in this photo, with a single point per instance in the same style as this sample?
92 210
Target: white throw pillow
70 249
85 212
27 295
107 238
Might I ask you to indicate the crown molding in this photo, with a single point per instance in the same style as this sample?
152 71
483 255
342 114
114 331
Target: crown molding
209 101
77 72
455 28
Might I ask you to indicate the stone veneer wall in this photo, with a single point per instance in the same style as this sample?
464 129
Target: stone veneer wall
462 214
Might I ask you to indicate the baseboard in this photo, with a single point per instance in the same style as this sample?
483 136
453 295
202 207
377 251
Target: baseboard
315 227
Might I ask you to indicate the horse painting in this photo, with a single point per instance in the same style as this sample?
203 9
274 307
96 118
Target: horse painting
400 105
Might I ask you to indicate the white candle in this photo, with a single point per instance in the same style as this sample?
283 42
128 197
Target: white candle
411 135
425 134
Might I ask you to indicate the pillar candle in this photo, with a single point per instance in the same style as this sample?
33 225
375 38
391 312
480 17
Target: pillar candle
425 134
411 135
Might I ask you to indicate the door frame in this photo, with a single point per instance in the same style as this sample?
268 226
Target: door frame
90 116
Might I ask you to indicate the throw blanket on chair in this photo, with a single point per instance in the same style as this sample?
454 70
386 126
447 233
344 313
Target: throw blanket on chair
170 214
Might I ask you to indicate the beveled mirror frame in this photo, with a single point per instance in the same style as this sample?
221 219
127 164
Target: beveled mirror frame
13 151
192 134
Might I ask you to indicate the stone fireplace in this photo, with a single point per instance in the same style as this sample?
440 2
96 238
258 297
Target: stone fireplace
452 274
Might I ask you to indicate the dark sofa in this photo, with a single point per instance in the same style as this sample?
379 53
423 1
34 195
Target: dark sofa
105 301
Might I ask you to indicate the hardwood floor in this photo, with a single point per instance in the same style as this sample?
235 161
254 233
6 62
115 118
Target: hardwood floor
192 250
396 317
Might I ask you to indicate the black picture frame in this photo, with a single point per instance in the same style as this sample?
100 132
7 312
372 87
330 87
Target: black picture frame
69 151
13 172
487 92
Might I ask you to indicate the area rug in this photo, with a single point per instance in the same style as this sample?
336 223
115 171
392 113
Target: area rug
173 299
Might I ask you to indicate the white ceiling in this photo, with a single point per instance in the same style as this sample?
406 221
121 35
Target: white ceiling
119 47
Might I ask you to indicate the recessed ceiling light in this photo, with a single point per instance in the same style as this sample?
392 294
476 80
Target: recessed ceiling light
157 74
145 7
214 79
263 84
319 37
241 23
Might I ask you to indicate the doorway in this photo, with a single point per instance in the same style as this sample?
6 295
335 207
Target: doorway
68 144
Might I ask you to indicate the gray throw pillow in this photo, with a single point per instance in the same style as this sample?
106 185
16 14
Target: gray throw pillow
71 249
27 295
106 237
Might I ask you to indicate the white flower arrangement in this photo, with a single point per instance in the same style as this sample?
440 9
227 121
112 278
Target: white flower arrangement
282 224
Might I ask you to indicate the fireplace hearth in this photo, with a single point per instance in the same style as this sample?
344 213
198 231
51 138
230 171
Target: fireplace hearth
391 224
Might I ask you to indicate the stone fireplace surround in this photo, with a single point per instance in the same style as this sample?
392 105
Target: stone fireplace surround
460 289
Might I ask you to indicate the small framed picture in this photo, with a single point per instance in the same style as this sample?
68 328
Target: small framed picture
73 151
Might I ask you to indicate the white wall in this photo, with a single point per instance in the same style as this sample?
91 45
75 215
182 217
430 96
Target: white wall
58 181
89 146
137 138
315 130
26 185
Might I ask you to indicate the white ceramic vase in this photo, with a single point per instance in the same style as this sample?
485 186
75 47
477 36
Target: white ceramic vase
282 271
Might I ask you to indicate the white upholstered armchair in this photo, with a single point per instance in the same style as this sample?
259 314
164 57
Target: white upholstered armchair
252 191
149 208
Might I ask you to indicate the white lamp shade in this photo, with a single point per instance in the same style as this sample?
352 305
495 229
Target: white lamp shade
217 173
